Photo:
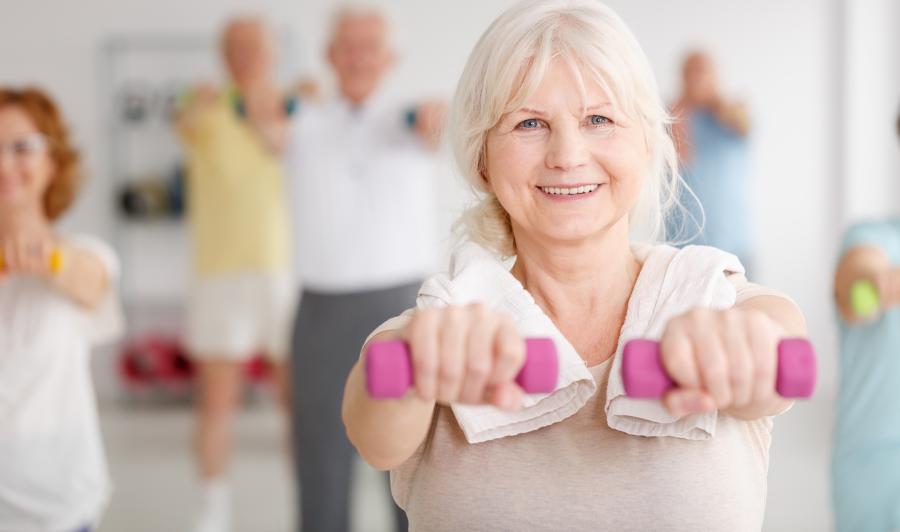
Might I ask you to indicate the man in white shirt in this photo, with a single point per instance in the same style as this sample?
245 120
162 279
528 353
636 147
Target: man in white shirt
362 203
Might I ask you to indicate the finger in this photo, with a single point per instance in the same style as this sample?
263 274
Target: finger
740 357
30 255
678 357
19 255
4 255
45 252
763 341
452 356
682 402
713 362
509 352
478 354
422 337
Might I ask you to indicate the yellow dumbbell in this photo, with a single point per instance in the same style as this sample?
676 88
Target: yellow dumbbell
55 261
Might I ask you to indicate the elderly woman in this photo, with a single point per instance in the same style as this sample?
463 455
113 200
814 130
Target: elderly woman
57 300
558 124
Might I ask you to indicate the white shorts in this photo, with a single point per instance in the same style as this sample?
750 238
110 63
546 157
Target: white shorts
235 316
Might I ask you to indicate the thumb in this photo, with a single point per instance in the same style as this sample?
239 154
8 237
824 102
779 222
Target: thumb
506 396
681 402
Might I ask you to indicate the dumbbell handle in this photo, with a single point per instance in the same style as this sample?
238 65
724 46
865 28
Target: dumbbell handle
389 372
645 377
55 261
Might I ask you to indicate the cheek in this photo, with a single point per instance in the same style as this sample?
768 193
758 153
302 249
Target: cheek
39 174
628 164
510 163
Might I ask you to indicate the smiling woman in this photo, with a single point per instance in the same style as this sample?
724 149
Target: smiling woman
558 126
578 54
57 299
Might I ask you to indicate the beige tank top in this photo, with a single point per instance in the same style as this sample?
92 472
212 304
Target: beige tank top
579 474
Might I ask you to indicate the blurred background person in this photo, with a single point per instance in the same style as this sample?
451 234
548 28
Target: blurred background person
242 299
711 137
363 203
57 299
866 456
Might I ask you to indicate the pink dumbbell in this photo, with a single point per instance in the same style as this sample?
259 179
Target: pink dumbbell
645 377
389 372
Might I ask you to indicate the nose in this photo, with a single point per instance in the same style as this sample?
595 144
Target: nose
567 148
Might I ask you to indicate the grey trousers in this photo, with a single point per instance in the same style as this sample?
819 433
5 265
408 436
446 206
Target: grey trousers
329 331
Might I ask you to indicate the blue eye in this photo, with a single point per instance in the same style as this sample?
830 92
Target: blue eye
531 123
599 120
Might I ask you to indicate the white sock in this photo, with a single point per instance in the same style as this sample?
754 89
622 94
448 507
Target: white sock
215 507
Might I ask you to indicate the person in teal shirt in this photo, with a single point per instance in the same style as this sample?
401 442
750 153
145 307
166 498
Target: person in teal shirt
866 456
711 137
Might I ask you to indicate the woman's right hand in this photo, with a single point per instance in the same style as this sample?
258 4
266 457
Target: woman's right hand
28 252
465 354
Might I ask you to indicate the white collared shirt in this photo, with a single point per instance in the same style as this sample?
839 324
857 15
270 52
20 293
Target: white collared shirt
361 197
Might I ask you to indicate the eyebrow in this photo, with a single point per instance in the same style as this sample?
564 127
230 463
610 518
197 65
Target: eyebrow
538 112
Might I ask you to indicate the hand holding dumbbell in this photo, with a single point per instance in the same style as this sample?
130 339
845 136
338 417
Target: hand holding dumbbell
30 256
871 296
389 372
461 354
735 360
645 377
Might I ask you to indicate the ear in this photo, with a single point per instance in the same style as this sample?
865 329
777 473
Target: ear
487 182
482 169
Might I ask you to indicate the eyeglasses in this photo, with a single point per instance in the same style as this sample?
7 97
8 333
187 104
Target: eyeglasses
25 147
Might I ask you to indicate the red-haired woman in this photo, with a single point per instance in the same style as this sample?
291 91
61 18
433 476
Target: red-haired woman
56 300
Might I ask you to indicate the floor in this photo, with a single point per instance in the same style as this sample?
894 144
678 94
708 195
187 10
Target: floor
155 491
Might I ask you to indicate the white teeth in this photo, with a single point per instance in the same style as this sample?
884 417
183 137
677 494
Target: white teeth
559 191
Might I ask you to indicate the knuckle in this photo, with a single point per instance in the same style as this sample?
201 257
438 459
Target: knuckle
715 371
478 368
450 373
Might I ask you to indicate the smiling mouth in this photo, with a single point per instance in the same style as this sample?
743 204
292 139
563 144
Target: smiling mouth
569 191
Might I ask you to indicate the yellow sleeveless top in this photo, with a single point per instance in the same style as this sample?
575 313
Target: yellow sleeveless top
235 195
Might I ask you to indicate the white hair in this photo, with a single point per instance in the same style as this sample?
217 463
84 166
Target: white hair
505 68
361 9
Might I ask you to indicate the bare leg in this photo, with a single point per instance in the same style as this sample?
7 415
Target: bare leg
220 387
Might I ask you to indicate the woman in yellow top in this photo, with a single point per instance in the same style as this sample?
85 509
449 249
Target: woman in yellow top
241 301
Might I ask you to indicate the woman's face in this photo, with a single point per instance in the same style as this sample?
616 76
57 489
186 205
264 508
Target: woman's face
566 170
26 167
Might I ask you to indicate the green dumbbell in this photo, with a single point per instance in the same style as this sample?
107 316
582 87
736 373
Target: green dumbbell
864 298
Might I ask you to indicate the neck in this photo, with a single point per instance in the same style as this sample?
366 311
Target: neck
356 99
254 86
15 219
595 275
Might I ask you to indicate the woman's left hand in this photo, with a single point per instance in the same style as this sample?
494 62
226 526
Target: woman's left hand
722 359
430 120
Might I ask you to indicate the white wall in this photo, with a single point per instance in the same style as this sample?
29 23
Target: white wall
780 57
871 102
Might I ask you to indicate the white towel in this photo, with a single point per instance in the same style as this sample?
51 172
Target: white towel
477 276
671 282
